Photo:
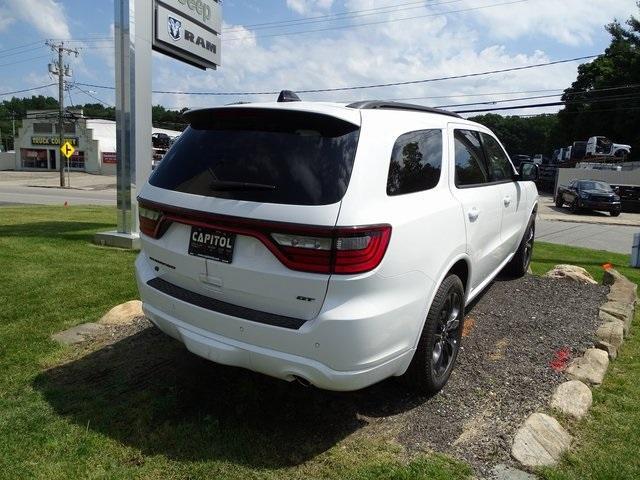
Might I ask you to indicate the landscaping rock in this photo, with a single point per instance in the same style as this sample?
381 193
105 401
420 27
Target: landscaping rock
612 333
540 442
572 398
612 276
607 347
623 292
589 368
620 311
504 472
123 314
571 272
77 334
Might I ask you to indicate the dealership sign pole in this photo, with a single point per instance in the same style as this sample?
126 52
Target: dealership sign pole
187 30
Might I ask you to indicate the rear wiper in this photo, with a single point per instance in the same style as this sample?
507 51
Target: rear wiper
222 185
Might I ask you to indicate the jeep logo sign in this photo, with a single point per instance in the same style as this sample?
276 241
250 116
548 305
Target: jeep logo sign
202 9
188 30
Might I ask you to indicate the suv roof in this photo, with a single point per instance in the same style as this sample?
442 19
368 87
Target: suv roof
349 112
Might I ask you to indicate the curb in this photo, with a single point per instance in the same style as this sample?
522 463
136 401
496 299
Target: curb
541 440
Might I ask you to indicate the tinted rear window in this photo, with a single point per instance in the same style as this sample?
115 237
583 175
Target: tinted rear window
261 155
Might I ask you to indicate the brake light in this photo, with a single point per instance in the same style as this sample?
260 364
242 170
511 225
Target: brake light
149 221
337 250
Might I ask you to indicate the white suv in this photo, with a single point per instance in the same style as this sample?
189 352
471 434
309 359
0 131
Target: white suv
333 244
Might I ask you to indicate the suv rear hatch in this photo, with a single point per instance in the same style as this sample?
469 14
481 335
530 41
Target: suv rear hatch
243 207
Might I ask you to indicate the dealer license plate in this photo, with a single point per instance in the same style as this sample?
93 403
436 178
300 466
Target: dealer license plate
213 244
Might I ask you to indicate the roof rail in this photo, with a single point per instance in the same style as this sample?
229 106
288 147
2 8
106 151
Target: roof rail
381 104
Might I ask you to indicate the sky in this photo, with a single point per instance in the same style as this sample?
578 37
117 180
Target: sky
355 42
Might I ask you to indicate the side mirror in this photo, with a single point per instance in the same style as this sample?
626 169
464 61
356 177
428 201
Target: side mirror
529 172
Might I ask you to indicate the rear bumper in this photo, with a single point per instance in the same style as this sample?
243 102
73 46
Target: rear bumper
338 350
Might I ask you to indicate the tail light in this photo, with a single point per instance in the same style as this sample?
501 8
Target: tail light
150 221
338 250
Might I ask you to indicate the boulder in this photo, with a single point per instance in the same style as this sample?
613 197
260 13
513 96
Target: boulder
612 276
572 398
621 311
540 441
623 292
123 314
607 347
571 272
589 368
611 333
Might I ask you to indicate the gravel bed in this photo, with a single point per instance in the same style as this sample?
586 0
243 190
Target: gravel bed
503 374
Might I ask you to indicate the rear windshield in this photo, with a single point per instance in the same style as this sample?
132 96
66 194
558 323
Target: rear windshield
261 155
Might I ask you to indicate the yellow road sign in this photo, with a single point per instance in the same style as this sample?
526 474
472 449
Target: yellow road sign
67 149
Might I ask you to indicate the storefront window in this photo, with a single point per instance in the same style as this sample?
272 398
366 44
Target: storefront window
77 160
33 158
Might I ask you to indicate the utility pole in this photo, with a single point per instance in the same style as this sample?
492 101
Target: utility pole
13 130
58 68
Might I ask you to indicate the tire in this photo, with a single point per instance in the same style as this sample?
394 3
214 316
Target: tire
559 201
439 343
574 206
519 264
615 213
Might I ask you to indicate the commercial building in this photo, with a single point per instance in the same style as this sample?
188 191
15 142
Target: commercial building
37 145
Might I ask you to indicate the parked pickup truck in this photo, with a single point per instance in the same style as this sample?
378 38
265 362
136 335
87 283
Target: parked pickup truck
581 194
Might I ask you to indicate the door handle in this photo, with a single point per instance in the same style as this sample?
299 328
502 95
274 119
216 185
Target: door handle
507 201
473 214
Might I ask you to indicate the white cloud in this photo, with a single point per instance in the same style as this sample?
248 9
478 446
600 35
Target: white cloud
6 19
570 22
47 16
306 7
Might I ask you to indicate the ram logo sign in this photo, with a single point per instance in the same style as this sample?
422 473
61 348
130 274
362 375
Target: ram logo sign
174 28
188 30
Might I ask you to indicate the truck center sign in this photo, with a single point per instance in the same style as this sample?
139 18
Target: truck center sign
189 30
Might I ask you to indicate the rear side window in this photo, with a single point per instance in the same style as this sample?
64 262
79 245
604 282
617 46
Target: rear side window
261 155
416 162
470 164
500 168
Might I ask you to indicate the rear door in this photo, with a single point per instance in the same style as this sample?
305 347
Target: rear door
246 191
480 203
513 196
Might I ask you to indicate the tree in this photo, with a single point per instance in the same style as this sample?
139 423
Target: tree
606 100
526 136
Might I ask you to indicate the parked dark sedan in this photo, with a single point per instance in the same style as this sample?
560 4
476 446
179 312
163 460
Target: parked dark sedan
589 194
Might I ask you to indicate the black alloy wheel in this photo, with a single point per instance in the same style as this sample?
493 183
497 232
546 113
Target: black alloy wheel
446 342
529 238
439 342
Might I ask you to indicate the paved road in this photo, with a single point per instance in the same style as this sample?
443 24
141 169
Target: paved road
613 238
11 194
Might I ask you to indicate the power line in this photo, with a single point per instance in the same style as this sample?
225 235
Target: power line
21 46
336 17
27 89
251 26
362 87
21 52
580 92
554 104
90 95
341 27
23 60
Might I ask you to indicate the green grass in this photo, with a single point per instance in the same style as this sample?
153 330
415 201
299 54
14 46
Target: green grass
143 408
